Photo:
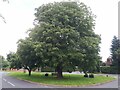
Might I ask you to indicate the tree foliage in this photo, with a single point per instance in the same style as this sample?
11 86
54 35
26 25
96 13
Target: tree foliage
3 63
115 52
13 60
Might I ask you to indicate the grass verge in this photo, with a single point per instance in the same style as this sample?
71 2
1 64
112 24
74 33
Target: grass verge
68 80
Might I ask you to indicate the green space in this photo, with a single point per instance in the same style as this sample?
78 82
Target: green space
62 40
68 80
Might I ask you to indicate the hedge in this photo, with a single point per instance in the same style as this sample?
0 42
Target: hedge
49 69
109 69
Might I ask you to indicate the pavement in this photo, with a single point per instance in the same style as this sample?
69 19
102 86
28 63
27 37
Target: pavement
11 82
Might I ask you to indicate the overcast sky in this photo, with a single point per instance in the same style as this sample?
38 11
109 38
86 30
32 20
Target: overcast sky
19 15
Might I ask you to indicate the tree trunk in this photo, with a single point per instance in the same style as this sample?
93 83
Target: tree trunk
38 69
59 72
29 72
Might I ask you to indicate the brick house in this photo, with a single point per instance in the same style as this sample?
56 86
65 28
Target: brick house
109 61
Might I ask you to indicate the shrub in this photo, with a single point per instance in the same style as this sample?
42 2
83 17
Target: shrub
47 69
109 69
91 76
46 74
86 75
54 74
69 71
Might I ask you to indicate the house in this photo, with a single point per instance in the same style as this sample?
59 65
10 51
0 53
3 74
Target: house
109 61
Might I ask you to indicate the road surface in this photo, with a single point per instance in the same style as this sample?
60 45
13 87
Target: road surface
10 82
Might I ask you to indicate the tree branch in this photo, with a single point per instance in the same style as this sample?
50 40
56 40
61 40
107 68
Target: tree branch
3 18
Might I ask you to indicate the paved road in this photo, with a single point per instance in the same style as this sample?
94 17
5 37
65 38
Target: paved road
10 82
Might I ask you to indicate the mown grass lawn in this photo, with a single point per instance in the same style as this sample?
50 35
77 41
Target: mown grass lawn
68 80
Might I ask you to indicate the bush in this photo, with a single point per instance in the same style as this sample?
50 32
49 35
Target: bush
109 70
54 74
69 71
47 69
46 74
91 76
86 75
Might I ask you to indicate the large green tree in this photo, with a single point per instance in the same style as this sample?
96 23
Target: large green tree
64 33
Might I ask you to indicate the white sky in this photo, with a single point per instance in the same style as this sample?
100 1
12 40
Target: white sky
19 15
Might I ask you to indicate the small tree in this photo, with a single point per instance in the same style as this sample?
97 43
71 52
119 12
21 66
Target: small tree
27 54
13 60
3 63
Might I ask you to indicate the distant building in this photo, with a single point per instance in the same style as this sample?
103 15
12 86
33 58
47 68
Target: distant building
109 61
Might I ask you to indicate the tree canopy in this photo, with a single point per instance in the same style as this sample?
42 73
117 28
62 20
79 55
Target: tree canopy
3 63
64 36
13 60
